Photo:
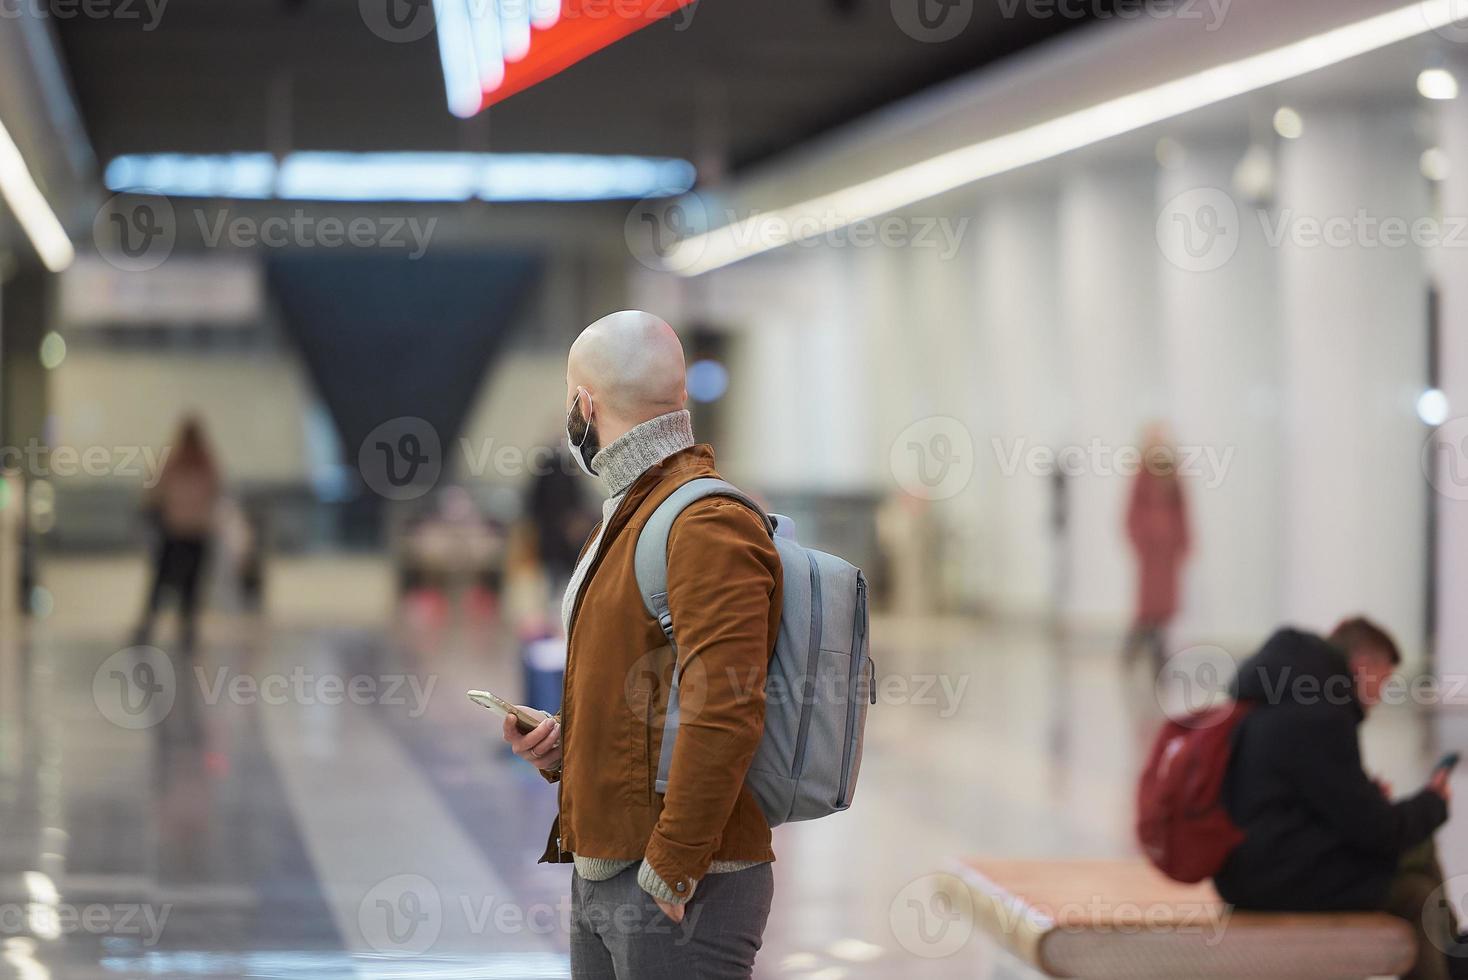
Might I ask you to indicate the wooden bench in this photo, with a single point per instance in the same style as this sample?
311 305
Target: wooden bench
1100 920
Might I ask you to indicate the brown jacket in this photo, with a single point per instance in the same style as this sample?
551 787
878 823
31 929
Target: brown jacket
724 589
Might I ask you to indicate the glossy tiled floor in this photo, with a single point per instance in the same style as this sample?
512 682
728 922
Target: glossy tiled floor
319 800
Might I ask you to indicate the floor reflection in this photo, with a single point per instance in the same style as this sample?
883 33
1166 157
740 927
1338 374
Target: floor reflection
321 801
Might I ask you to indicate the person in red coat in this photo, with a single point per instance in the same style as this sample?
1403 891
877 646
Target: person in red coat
1157 526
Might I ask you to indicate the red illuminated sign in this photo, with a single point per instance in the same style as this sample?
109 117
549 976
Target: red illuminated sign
583 28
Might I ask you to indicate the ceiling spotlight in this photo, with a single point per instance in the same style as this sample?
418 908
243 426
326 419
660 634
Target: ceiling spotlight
1254 176
1170 153
1437 83
53 351
1435 164
1287 123
1432 407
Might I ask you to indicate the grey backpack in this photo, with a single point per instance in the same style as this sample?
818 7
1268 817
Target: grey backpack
820 676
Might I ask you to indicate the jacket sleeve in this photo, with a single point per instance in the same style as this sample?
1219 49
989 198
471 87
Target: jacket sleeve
722 575
1324 761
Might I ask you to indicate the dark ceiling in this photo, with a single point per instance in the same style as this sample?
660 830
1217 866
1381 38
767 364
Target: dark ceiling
742 79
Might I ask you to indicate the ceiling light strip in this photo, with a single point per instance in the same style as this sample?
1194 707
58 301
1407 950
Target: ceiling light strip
30 207
456 37
957 168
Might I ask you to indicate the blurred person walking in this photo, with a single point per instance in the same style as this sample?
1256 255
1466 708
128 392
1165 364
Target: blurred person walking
1320 835
679 884
1157 527
560 517
181 506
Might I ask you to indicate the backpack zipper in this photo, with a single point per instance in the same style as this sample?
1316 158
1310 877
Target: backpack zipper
807 691
858 629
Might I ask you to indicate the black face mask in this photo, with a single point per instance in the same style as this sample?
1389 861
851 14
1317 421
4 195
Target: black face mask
581 434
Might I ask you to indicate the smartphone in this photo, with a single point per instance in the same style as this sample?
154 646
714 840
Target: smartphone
1448 762
526 719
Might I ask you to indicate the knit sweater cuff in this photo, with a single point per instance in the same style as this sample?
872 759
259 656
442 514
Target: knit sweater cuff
657 887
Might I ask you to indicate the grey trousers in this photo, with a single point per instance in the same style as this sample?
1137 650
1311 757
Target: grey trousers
619 933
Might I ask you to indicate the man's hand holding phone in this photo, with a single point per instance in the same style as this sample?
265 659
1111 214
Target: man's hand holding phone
1441 781
541 746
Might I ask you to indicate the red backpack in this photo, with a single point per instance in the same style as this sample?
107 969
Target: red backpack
1181 822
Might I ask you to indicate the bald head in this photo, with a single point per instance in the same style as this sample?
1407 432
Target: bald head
632 364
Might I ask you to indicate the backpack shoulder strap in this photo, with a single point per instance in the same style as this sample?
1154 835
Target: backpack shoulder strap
651 565
651 559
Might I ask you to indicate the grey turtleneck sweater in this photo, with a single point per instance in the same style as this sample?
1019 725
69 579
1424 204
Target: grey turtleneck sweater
617 466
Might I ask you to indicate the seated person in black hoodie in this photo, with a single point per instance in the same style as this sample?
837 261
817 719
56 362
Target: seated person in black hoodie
1320 835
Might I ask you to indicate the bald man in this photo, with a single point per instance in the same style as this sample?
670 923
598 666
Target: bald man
679 884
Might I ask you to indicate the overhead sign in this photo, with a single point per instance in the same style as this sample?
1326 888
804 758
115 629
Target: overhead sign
493 49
